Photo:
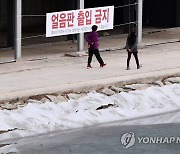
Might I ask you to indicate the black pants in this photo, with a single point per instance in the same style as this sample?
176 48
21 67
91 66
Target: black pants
98 57
135 56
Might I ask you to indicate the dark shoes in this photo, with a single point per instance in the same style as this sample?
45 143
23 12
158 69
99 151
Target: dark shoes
138 67
102 65
89 66
128 68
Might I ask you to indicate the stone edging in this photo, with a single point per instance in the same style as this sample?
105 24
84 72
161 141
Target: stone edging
64 97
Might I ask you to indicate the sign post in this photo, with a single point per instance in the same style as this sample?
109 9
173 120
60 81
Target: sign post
18 29
140 9
80 37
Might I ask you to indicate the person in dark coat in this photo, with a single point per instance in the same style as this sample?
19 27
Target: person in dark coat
93 44
131 46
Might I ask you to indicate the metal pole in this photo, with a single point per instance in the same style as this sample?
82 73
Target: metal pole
80 38
139 29
17 29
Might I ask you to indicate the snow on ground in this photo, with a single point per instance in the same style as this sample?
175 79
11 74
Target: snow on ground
37 118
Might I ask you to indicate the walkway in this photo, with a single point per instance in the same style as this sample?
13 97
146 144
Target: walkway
45 69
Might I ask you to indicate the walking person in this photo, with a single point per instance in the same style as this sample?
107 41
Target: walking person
93 44
131 46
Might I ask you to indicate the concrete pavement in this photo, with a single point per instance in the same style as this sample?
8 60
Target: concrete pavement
56 73
116 40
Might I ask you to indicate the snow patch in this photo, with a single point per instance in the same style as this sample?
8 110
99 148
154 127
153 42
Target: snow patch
94 108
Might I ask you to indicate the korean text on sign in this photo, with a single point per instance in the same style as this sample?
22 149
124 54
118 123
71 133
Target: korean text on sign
79 21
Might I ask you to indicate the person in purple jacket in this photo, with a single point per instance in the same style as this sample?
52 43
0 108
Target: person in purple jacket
93 44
